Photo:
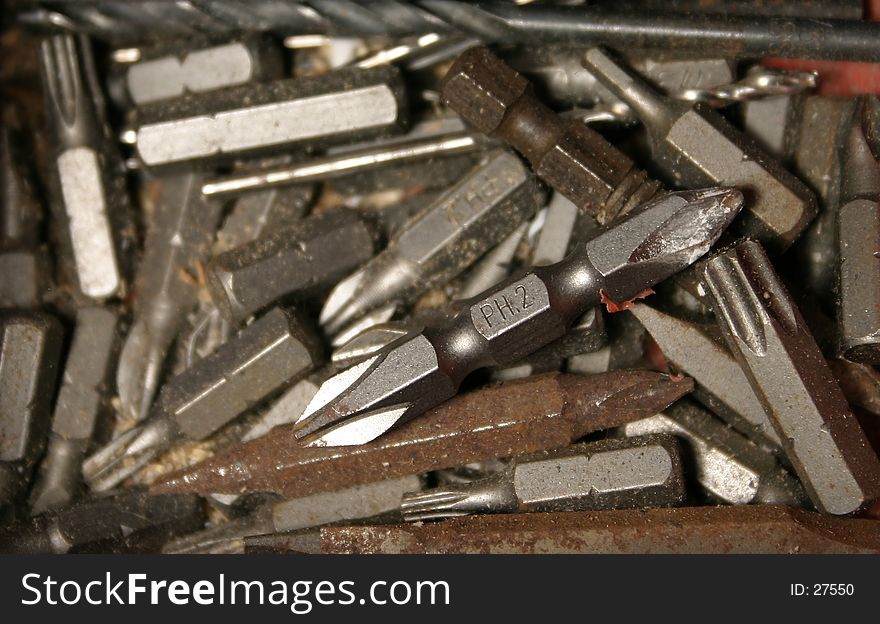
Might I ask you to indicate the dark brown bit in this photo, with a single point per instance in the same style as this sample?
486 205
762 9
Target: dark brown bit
533 414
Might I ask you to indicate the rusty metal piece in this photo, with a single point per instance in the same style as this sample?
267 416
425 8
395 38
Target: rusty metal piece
538 413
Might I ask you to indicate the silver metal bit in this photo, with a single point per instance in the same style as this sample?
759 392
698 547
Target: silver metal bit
727 465
608 474
287 408
89 198
352 503
695 349
769 338
160 73
515 318
83 398
238 121
695 147
30 346
494 266
441 241
379 316
859 248
271 352
297 261
179 240
369 342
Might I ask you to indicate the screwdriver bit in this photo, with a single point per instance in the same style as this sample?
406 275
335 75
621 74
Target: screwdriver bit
697 350
493 266
82 400
569 156
533 414
517 317
607 474
769 338
88 192
30 346
160 73
858 244
352 503
440 241
201 128
727 465
96 519
729 529
696 147
299 260
178 240
273 351
860 384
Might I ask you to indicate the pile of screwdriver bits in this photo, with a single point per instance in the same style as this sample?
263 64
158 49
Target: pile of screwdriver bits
436 276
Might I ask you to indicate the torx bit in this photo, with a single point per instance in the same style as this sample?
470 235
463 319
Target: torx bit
88 191
606 474
569 156
30 346
440 241
696 147
178 240
858 240
697 350
729 467
538 413
769 338
517 317
160 73
82 400
201 128
299 261
726 529
101 518
274 350
352 503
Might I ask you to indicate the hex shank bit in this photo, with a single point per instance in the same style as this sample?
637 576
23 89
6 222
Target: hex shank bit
696 147
858 240
299 261
769 338
569 156
201 128
82 400
440 241
517 317
607 474
88 192
274 350
737 529
533 414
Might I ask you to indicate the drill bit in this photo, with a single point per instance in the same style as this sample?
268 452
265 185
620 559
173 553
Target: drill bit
274 350
607 474
754 34
179 239
728 466
768 336
82 400
695 146
201 128
517 317
859 245
88 192
569 156
441 241
538 413
734 529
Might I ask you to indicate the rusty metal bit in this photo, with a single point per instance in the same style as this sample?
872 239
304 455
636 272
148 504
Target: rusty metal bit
543 412
297 261
696 146
769 338
860 383
858 240
740 529
570 157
